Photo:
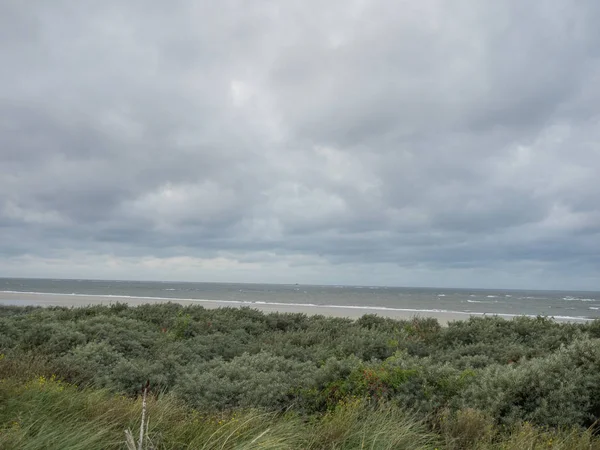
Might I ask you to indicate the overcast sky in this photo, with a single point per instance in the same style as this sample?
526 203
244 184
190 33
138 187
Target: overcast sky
412 143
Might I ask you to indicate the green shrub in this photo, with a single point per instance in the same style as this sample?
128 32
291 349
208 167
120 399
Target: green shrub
562 389
530 369
260 380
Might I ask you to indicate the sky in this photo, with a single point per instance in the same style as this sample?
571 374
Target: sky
407 143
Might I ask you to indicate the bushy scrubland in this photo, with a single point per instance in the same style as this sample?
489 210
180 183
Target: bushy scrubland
481 383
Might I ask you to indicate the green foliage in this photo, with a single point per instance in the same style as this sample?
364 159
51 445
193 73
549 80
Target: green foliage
47 413
527 369
562 389
354 424
466 429
260 380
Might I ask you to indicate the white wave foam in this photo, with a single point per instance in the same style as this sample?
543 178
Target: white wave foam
481 301
595 308
568 298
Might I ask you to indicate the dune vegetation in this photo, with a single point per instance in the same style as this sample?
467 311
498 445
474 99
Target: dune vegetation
71 378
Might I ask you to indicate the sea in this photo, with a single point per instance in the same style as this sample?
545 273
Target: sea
576 305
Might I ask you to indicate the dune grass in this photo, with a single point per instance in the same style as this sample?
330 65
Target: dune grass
45 413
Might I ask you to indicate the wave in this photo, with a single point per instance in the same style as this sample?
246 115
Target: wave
568 298
595 308
491 302
306 305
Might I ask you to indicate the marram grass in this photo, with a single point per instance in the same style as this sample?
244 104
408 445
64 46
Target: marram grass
45 413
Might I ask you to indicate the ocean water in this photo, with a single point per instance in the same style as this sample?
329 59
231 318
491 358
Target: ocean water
559 304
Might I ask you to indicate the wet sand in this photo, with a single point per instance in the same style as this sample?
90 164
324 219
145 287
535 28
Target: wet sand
29 299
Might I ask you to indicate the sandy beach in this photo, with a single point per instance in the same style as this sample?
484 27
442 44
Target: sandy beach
32 299
29 299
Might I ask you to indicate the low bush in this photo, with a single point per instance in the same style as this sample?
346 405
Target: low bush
527 369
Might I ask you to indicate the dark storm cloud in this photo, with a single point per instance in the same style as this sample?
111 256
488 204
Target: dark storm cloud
363 138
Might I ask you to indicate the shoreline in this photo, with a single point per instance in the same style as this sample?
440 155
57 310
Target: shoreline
352 312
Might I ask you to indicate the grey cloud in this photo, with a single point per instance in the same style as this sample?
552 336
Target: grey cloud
424 136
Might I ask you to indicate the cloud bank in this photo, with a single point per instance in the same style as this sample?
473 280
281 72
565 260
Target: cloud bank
422 143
